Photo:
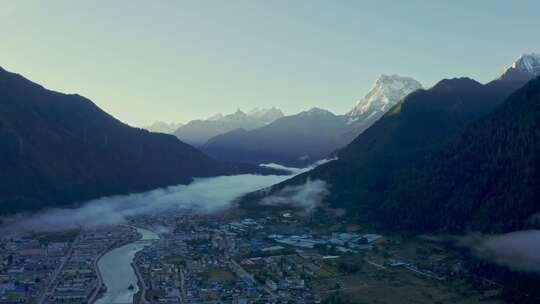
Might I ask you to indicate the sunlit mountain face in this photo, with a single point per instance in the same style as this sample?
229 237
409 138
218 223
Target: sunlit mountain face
525 68
300 139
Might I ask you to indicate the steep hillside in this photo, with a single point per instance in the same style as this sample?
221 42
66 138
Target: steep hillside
417 126
57 149
387 91
306 137
486 179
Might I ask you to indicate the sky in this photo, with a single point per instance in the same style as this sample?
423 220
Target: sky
146 61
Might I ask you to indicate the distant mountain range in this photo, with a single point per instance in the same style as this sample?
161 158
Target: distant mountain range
308 136
198 132
163 127
409 171
293 140
298 140
57 149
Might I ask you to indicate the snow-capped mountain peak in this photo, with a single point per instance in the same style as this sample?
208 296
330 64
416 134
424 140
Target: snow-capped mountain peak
266 115
215 117
385 93
238 116
197 132
529 63
526 67
163 127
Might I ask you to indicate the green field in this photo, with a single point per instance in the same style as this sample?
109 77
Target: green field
381 283
216 275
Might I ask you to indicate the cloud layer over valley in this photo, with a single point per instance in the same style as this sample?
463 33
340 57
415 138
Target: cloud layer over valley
204 195
306 196
519 250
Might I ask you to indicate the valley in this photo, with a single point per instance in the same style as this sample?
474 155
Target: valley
276 234
276 259
269 152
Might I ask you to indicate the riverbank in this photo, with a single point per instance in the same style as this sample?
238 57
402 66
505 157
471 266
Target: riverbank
98 292
117 271
139 297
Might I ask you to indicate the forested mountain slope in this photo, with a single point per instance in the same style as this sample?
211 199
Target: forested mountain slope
486 179
57 149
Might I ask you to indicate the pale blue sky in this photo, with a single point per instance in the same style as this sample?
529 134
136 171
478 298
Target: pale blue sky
144 61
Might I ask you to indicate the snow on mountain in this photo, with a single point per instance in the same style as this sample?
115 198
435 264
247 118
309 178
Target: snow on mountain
163 127
385 93
529 63
525 68
237 117
215 117
197 132
294 140
266 115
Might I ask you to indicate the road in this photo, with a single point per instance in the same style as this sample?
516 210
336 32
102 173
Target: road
52 283
414 269
99 282
374 264
183 283
241 272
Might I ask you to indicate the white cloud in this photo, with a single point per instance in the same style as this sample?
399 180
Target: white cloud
519 250
205 194
306 196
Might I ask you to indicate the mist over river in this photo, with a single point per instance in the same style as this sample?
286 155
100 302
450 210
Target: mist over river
203 194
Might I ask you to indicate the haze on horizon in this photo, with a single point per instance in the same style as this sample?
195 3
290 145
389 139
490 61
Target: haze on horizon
175 61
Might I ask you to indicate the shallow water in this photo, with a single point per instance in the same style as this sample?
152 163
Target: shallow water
117 272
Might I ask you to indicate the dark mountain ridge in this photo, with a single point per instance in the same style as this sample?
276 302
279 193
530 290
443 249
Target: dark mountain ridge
57 149
485 179
418 126
303 138
294 140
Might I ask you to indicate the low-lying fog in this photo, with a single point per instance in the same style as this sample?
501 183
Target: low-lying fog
519 250
204 194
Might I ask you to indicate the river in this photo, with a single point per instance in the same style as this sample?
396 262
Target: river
117 272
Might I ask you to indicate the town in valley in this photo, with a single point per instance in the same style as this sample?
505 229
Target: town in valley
208 258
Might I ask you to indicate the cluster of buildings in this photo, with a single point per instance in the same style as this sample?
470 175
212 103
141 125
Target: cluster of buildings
194 264
27 268
207 259
198 259
56 267
284 276
343 242
78 280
